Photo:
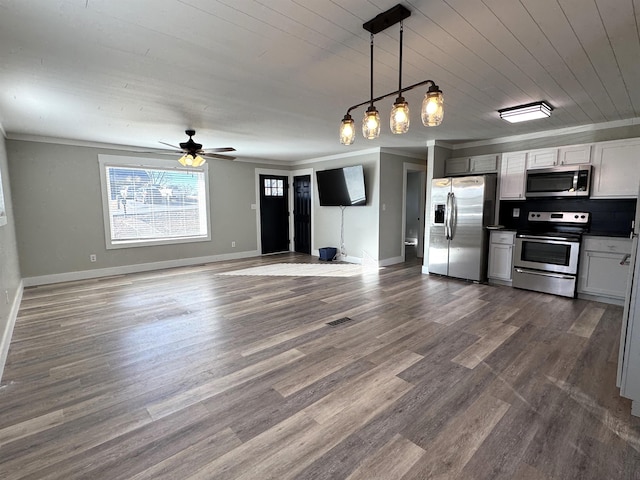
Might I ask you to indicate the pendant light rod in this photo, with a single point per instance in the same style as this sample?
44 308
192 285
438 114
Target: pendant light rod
400 62
371 72
395 92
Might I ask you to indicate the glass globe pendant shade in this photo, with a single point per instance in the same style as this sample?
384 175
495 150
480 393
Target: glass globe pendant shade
347 130
399 120
371 123
432 107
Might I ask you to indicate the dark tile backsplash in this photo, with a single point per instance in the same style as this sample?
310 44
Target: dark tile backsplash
608 217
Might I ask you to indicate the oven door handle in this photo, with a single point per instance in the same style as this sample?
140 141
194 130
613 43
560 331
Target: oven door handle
544 274
541 237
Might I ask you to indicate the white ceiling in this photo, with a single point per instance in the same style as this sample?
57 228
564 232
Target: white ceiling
273 78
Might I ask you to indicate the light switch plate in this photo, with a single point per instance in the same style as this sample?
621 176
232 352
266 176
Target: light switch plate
516 212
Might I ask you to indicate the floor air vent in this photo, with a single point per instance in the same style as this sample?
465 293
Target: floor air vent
339 321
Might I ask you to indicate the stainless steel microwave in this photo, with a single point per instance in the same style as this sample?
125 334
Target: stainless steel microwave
565 181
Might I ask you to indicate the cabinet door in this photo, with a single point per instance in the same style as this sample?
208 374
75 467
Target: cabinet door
483 164
602 274
512 174
456 166
500 261
574 155
616 169
542 158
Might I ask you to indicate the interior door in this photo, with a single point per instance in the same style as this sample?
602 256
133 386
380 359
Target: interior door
274 213
302 214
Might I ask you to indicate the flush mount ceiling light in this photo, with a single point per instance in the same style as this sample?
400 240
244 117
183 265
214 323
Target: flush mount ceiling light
523 113
432 110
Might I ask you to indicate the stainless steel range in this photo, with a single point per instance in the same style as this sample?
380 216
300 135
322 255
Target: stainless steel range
547 253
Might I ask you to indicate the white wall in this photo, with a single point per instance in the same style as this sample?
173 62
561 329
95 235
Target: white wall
360 223
10 279
58 211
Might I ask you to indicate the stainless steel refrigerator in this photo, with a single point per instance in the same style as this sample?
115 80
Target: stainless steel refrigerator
461 209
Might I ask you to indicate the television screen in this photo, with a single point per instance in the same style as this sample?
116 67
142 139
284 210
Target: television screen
341 187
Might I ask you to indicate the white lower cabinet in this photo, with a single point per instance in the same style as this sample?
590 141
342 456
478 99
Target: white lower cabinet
501 245
604 268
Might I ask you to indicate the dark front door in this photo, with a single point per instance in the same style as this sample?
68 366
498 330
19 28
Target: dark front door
274 213
302 214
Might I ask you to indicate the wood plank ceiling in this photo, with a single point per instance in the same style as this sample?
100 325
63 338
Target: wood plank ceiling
273 79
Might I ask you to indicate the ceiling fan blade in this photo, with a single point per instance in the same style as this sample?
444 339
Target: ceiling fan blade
220 149
216 155
172 146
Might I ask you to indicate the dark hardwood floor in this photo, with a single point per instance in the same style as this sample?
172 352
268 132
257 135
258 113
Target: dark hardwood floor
185 374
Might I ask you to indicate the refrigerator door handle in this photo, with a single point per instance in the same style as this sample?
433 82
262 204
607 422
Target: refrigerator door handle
451 200
447 220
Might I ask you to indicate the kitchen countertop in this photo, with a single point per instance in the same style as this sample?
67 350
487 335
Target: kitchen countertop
597 233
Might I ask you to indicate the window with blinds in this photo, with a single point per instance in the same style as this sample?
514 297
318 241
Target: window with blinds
147 205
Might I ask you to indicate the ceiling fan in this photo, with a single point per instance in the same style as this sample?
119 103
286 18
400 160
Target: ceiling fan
193 152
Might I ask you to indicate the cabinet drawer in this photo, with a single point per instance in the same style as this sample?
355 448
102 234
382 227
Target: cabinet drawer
607 244
505 238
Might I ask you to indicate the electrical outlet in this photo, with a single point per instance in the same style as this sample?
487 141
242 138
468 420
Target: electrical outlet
233 244
93 257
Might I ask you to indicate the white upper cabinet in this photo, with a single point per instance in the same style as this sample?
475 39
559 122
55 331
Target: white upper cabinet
616 168
512 175
456 166
471 165
574 155
483 164
542 158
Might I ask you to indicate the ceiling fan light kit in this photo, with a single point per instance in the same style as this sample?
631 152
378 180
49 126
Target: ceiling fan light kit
432 110
193 153
189 160
524 113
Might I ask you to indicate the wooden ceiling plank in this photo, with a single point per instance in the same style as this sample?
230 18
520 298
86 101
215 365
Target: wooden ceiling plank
620 21
518 62
586 22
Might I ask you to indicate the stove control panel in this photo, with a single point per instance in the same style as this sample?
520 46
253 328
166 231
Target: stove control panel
559 217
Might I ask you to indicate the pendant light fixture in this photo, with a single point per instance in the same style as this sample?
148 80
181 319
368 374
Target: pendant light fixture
432 111
371 119
399 120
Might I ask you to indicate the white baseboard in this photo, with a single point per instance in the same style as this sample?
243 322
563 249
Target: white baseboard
390 261
602 299
140 267
425 269
5 338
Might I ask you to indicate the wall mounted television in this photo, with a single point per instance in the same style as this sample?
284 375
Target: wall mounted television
342 187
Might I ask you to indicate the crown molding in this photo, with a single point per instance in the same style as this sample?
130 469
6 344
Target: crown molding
549 133
337 156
